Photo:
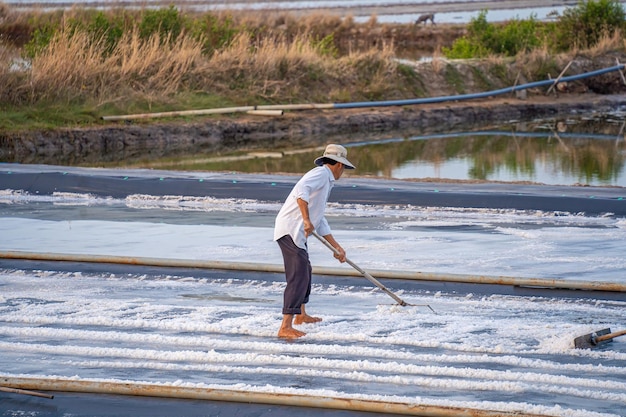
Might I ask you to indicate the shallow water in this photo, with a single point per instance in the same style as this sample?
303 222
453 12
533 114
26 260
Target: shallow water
567 151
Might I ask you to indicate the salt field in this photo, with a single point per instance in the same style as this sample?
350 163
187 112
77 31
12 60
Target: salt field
471 348
456 241
217 329
481 352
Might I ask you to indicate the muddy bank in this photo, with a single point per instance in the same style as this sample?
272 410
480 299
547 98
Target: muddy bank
132 142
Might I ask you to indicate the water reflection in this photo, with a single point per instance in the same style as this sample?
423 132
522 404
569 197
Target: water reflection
587 152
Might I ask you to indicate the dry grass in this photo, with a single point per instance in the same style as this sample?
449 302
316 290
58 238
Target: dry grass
438 63
540 63
77 68
267 68
277 58
275 69
74 67
608 42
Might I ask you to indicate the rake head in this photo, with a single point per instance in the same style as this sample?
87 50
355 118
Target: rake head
589 341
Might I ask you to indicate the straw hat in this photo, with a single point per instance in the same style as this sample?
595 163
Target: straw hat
337 153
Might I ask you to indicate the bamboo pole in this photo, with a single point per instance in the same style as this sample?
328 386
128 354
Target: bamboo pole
297 400
621 72
265 112
25 392
223 110
559 78
519 73
263 267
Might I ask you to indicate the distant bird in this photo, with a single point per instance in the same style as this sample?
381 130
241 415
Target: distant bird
425 18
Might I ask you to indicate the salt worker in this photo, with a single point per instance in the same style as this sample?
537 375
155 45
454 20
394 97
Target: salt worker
301 214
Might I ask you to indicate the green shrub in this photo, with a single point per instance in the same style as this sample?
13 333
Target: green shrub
110 31
326 46
484 38
517 36
168 23
464 48
584 25
481 31
39 40
214 32
473 44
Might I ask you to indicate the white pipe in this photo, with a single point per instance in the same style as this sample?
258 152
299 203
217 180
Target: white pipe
261 267
180 113
265 112
310 106
297 400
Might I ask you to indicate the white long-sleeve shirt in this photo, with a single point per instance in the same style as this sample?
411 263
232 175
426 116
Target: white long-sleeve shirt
314 188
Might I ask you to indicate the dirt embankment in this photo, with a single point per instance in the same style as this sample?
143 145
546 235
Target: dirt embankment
119 141
132 142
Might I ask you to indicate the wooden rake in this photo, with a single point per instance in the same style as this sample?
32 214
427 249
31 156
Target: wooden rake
594 339
369 277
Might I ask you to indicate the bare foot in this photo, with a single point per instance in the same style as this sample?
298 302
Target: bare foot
290 333
305 318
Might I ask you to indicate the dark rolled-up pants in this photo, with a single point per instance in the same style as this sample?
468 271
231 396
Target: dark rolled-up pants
298 273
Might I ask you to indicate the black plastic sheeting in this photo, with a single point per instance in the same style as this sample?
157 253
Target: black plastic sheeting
573 199
103 405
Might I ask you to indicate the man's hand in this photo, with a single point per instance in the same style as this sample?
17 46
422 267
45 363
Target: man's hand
340 254
304 210
308 227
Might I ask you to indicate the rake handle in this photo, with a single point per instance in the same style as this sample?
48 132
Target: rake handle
360 270
609 336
